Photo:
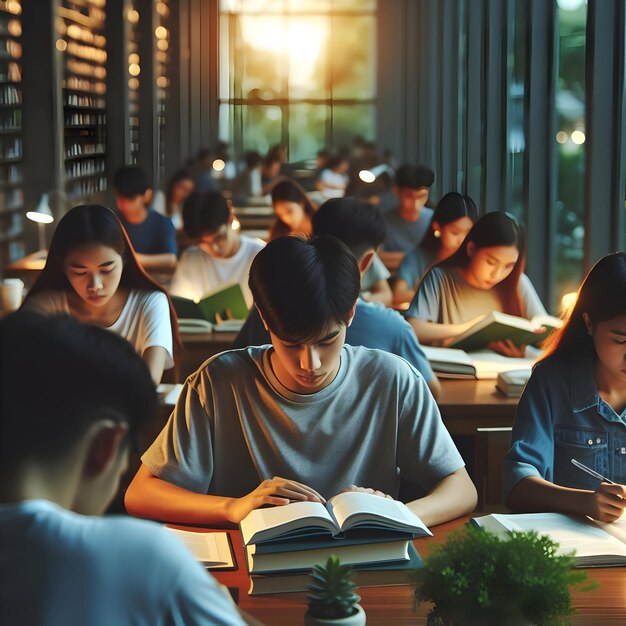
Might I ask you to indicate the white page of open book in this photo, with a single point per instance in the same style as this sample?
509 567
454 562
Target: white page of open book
489 364
572 535
212 549
354 502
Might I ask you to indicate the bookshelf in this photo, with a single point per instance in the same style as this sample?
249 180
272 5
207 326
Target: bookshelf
12 244
162 34
82 43
134 80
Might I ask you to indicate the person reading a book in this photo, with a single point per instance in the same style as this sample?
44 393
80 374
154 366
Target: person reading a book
452 220
362 228
293 208
221 256
485 274
72 399
153 235
92 274
304 418
574 408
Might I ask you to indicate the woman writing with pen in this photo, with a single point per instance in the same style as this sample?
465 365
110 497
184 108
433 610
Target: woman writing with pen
573 409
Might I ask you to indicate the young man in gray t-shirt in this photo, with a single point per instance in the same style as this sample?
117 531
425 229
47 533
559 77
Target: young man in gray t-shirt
305 418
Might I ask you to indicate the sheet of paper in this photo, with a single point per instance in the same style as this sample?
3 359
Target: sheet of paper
211 549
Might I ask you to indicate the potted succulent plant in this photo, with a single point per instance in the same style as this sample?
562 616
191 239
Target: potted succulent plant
331 597
477 578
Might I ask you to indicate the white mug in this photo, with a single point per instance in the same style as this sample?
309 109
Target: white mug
11 290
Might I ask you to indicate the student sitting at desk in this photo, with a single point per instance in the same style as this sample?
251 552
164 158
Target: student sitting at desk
220 257
362 229
293 208
92 274
485 274
574 407
152 234
304 418
72 399
451 222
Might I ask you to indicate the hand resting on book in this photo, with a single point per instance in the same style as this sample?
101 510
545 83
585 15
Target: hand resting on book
507 348
374 492
276 492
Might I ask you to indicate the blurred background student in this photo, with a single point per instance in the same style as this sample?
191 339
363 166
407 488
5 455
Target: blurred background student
452 220
293 208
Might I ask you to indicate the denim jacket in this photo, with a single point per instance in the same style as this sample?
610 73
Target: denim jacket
561 417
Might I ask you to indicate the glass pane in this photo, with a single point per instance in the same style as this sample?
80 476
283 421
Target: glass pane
353 57
307 130
260 127
359 6
570 136
352 121
516 138
304 46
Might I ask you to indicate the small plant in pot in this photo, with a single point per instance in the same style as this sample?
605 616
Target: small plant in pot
331 596
479 579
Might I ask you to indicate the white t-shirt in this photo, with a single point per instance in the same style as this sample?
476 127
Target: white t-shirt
198 273
144 321
60 568
334 178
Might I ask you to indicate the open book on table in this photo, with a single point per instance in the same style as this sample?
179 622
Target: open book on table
213 550
222 306
497 326
596 544
455 363
345 511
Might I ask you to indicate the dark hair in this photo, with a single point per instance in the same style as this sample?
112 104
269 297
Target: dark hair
252 159
414 176
287 190
130 181
88 224
204 213
497 228
177 177
57 377
602 296
302 288
359 225
452 207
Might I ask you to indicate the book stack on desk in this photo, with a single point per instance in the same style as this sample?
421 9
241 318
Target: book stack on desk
372 534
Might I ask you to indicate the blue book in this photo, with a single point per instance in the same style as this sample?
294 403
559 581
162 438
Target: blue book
365 575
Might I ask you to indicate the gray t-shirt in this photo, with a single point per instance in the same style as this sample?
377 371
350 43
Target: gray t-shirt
403 236
445 297
235 425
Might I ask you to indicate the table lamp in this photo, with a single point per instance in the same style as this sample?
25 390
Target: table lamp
369 176
42 215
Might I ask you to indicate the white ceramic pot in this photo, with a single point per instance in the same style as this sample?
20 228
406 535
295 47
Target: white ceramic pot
358 619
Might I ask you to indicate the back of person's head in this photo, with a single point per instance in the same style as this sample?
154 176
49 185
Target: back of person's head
130 181
496 229
304 288
57 378
252 159
414 176
85 225
287 190
452 207
359 225
205 213
602 296
177 177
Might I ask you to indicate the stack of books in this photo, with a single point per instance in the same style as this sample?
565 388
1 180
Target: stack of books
512 383
372 534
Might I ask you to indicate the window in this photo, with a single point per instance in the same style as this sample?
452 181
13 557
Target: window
298 73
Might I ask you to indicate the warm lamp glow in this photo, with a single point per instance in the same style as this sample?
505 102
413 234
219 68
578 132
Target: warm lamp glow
133 58
561 136
568 301
218 165
578 137
366 176
40 218
42 215
160 32
235 224
132 16
134 69
61 45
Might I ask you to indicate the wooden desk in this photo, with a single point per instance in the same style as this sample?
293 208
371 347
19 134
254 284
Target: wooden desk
393 606
198 347
466 405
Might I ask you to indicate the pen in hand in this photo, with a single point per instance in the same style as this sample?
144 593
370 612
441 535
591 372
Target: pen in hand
591 472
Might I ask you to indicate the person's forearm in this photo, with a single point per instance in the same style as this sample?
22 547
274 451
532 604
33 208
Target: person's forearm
535 495
431 332
401 292
155 357
153 498
166 260
453 496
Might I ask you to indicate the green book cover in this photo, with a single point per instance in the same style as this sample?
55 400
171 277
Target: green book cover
228 302
500 326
